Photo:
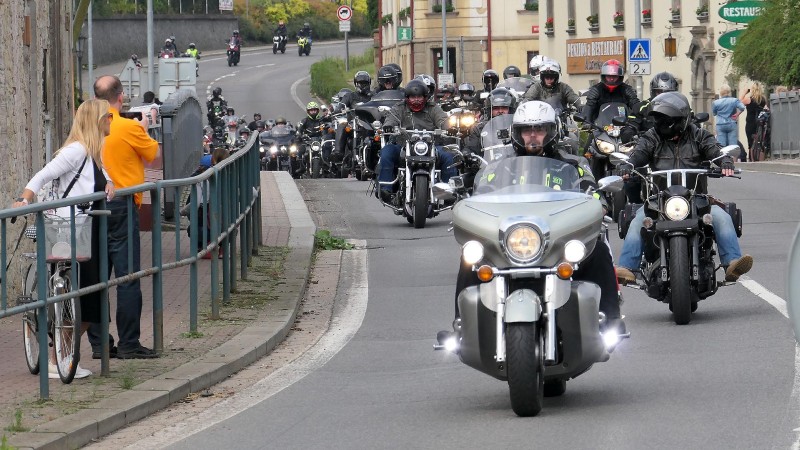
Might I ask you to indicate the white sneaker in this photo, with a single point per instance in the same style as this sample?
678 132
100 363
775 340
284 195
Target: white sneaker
80 372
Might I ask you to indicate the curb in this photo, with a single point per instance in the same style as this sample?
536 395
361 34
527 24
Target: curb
775 166
252 343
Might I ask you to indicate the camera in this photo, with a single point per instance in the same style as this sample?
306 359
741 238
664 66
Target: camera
131 115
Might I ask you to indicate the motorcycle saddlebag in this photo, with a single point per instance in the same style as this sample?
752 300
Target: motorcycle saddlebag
736 216
625 218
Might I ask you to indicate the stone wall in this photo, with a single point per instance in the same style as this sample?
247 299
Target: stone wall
116 38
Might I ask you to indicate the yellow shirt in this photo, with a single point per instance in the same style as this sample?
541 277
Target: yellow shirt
124 152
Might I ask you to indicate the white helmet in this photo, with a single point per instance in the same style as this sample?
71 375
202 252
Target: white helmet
535 65
552 67
538 115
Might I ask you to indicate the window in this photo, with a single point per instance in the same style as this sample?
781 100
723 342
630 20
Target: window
531 5
437 6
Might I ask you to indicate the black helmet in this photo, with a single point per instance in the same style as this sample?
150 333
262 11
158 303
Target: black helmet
503 97
230 110
235 32
511 71
490 79
448 88
362 81
387 74
670 112
662 82
260 124
191 45
466 91
429 82
217 91
256 116
416 88
398 71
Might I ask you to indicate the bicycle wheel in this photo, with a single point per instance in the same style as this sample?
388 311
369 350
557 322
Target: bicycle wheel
30 339
66 332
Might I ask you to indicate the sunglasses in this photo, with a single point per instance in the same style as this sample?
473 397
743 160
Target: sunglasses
109 116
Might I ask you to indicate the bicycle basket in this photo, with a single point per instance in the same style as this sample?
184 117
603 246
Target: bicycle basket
58 243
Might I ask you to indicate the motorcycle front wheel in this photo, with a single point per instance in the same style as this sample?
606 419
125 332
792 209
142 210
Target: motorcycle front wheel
682 295
525 368
420 201
275 49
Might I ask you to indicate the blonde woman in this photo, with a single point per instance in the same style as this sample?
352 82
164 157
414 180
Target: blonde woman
727 109
754 101
81 152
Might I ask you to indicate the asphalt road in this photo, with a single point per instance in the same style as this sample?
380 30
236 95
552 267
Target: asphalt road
727 380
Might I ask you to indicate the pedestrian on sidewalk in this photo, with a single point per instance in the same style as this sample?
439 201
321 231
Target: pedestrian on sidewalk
90 127
754 101
126 148
727 109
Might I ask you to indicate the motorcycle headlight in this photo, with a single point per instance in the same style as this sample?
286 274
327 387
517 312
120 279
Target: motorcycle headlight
468 121
315 147
676 208
604 147
574 251
262 150
273 150
420 148
472 252
452 122
293 149
523 243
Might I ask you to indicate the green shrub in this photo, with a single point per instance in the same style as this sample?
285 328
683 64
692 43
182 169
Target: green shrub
328 75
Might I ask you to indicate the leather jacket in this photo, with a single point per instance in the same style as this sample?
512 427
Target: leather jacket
599 95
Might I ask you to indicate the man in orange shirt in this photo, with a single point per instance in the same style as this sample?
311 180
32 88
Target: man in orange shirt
124 152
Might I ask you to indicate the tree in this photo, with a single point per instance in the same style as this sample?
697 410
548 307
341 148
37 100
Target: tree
767 50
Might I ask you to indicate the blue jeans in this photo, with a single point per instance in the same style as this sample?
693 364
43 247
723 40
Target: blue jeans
724 235
727 134
390 157
129 295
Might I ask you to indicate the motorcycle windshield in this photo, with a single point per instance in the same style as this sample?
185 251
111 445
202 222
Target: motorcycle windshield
495 137
277 135
370 112
232 42
608 111
526 175
516 84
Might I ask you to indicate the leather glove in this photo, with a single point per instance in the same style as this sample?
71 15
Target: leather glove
727 165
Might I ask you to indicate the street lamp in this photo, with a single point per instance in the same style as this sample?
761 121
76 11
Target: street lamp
670 46
79 55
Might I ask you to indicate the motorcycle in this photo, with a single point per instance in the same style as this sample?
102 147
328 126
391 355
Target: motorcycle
678 265
521 318
234 53
313 142
279 44
303 46
605 140
415 177
280 151
166 54
363 132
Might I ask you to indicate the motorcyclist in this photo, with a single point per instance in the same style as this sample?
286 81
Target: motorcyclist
310 126
169 47
534 132
467 98
398 73
192 51
305 32
414 113
362 82
387 79
610 89
549 86
236 39
490 80
216 101
281 30
244 136
232 133
502 102
254 124
534 65
511 71
230 115
447 96
675 142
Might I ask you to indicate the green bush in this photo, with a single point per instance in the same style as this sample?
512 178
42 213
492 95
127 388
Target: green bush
328 75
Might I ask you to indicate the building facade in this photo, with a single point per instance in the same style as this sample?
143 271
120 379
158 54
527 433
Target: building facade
480 34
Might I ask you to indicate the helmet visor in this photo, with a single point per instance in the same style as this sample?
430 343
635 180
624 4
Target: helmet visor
533 138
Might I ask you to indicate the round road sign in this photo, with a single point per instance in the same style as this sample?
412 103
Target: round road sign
344 13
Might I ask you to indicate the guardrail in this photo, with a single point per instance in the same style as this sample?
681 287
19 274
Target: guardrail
234 209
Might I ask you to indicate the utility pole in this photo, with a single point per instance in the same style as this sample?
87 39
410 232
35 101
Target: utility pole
637 26
151 67
445 59
91 46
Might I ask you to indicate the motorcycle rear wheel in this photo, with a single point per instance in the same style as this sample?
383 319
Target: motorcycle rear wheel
274 49
420 201
525 368
682 294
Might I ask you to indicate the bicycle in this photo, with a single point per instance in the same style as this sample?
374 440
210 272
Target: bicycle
760 142
63 318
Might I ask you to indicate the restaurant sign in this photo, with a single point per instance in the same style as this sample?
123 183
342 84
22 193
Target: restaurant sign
588 55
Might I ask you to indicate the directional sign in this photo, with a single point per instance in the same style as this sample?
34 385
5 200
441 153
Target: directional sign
741 12
344 13
404 34
728 40
639 50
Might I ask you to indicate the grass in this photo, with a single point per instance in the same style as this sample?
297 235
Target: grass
192 334
16 426
127 380
4 444
328 76
324 241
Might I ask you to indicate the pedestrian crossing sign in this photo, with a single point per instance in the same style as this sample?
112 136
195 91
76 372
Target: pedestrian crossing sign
639 50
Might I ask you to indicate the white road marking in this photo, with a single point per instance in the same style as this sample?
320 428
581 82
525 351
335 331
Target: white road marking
293 91
344 325
765 294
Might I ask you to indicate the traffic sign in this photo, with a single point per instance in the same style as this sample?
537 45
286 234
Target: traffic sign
639 50
637 68
344 25
728 40
344 13
742 11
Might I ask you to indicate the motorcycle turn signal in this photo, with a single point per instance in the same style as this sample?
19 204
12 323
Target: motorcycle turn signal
564 270
485 273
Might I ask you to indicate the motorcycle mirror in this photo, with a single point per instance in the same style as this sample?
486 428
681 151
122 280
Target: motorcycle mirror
728 150
701 117
619 121
384 108
612 183
621 156
578 118
484 95
443 191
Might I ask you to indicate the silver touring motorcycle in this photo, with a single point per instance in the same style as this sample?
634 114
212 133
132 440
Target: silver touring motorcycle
524 231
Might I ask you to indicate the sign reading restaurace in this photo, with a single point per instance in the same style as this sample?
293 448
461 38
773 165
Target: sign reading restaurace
588 55
741 12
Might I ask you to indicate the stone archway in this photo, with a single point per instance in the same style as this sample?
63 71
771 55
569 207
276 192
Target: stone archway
703 58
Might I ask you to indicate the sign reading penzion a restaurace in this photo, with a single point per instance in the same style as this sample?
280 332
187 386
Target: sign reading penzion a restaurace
588 55
741 12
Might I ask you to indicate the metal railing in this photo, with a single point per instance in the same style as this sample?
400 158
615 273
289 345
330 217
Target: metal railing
233 209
